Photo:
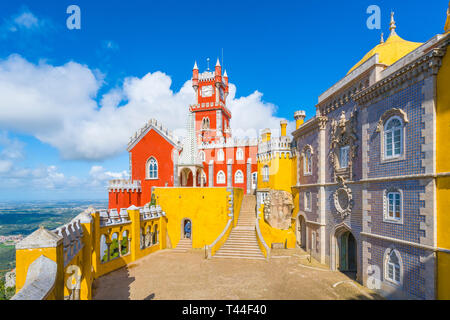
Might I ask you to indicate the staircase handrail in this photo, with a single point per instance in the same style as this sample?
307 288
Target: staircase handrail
219 238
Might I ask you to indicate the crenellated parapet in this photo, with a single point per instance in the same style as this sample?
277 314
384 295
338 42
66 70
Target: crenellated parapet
124 185
229 143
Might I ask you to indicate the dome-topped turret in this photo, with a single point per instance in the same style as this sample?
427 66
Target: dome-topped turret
391 50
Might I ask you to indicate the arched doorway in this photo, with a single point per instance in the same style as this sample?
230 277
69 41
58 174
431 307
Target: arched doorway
186 229
346 252
301 232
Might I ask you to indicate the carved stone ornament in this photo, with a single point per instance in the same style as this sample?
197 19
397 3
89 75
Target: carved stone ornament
278 209
343 199
343 133
390 113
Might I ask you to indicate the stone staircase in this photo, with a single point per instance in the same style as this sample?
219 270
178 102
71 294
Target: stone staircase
183 245
242 242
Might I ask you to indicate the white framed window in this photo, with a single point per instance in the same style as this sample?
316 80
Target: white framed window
265 173
239 154
393 267
254 180
393 138
202 155
307 201
393 206
239 177
307 162
152 168
343 157
220 177
220 155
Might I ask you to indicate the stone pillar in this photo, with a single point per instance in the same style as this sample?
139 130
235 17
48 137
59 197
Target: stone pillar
135 217
229 173
249 175
86 222
194 177
322 193
211 173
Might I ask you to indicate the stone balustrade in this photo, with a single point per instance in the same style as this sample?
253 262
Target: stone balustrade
151 212
72 234
113 217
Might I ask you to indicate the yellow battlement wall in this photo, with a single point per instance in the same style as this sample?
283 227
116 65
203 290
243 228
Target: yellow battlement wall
282 173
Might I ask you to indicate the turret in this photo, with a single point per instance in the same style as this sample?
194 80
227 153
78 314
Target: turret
266 135
218 73
195 77
283 125
299 117
447 23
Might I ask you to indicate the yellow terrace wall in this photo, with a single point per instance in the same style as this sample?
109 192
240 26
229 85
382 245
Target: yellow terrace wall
207 208
443 183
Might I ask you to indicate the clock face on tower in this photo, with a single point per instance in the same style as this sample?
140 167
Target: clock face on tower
207 91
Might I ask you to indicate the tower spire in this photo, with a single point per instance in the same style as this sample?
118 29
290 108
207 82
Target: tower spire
382 38
218 63
392 25
195 66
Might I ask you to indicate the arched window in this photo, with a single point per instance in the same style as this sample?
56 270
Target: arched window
265 173
254 180
239 177
155 239
104 256
205 123
220 177
220 155
202 155
239 154
124 243
393 205
393 267
307 162
393 138
152 168
114 246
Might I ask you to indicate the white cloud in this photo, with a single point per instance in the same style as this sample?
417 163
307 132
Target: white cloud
24 21
100 177
57 105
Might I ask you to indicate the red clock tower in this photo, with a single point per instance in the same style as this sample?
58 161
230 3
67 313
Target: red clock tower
212 117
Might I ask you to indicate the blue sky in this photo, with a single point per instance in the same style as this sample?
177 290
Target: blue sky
71 98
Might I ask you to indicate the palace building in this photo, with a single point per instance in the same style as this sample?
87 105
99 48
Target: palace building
208 157
363 186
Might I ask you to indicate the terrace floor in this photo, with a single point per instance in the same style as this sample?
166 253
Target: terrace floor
169 275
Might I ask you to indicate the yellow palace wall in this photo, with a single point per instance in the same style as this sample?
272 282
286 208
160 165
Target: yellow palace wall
443 183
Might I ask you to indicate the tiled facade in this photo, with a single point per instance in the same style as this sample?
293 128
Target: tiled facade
360 106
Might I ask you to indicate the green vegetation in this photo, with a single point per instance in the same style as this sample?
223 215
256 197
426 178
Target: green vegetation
124 246
6 294
7 258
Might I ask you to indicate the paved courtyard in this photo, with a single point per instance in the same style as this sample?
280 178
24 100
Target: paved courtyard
166 274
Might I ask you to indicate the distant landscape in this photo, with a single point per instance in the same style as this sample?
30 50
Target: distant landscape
22 218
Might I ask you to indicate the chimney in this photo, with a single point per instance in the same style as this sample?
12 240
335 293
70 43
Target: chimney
283 125
299 117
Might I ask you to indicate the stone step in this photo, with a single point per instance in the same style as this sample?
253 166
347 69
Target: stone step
239 256
239 249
